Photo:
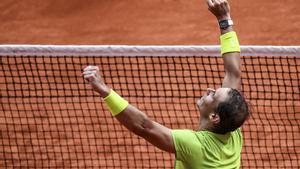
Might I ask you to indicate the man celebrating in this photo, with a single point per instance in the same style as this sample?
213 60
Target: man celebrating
218 143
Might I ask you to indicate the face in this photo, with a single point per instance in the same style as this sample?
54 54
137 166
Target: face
211 99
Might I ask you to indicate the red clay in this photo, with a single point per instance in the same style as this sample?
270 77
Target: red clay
145 22
79 139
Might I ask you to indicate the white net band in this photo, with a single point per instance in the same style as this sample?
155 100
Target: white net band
124 50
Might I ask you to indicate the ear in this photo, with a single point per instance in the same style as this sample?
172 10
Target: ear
214 118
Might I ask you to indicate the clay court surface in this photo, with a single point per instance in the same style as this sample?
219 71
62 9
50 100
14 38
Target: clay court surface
145 22
62 128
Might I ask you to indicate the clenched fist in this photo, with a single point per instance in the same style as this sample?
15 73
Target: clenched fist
92 75
220 8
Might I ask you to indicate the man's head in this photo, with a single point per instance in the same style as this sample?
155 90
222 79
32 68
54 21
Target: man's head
223 110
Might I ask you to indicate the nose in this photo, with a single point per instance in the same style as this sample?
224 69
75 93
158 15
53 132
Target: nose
209 90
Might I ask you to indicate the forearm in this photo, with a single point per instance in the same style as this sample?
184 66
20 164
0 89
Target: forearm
129 116
133 119
229 29
229 44
140 124
232 60
232 64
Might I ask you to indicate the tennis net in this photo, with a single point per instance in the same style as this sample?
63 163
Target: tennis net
50 117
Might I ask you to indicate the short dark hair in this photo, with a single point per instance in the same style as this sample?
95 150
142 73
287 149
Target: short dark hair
233 113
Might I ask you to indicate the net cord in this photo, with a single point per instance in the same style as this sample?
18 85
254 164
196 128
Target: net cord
126 50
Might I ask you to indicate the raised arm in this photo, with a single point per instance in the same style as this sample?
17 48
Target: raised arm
129 116
221 9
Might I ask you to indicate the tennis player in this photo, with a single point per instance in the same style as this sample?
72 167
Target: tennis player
218 142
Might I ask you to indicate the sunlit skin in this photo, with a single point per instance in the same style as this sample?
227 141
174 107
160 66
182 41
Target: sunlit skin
208 103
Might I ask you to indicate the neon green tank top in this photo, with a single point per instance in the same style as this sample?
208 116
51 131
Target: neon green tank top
207 150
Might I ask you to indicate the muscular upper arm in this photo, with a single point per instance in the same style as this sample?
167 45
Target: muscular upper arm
155 133
232 77
158 135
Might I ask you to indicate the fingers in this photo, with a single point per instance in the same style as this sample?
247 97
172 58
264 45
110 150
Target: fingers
217 2
89 77
92 76
222 2
91 68
210 3
220 8
213 3
90 73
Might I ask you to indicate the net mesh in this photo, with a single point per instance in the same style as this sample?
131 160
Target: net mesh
50 118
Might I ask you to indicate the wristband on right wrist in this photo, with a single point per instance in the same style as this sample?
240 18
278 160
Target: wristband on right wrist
116 104
229 43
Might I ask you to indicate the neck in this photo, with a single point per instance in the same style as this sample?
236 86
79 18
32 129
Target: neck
204 125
